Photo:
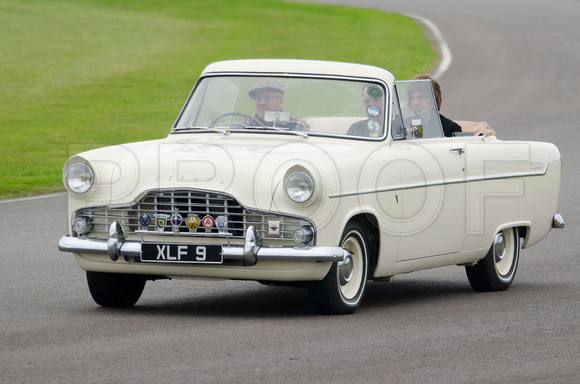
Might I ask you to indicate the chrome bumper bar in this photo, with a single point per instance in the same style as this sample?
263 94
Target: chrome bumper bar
250 252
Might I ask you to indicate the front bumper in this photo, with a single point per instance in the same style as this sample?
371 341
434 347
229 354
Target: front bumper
252 250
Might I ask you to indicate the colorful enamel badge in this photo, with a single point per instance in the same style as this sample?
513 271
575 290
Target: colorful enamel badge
221 222
160 222
144 221
207 222
176 220
192 222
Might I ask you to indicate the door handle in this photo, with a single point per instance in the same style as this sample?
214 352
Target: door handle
459 150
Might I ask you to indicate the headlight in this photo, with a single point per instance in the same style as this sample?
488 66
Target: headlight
299 187
79 178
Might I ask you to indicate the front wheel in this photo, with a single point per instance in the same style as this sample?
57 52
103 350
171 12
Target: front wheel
497 270
115 289
342 290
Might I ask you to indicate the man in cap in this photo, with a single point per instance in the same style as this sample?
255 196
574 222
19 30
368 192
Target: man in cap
268 93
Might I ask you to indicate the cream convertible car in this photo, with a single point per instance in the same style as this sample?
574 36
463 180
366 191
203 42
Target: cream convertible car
320 174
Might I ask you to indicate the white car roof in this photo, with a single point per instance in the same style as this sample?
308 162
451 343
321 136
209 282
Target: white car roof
296 66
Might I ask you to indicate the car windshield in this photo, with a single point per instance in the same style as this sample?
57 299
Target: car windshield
305 105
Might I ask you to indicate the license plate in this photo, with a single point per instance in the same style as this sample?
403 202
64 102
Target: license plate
181 253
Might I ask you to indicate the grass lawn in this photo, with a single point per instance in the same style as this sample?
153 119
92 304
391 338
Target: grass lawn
79 74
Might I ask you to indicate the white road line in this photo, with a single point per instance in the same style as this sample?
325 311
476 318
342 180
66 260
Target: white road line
446 56
46 196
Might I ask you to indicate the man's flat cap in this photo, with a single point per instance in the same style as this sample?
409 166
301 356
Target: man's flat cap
266 85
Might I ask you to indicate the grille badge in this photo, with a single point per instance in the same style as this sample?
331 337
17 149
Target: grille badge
160 222
176 220
221 222
273 227
144 221
207 223
192 222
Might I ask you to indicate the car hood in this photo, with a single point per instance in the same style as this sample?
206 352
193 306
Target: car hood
250 167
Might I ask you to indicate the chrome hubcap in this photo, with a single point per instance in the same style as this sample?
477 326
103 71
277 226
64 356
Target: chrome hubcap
499 247
345 270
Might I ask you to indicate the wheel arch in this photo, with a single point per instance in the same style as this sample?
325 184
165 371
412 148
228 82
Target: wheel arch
497 270
524 231
523 228
370 224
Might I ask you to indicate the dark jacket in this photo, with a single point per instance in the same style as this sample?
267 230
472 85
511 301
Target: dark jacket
449 126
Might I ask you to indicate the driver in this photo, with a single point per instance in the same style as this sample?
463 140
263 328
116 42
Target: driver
268 94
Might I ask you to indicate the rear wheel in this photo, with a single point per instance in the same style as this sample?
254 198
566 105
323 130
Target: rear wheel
497 270
343 288
115 289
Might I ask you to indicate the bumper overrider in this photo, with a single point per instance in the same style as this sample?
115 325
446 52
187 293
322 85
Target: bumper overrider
558 221
251 252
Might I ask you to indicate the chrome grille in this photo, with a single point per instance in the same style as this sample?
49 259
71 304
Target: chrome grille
200 203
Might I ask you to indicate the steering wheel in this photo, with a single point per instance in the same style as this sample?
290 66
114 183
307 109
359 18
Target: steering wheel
234 123
299 125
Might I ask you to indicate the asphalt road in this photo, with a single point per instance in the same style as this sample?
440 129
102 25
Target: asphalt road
515 65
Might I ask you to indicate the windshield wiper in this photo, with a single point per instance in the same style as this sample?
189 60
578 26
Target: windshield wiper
228 130
204 129
266 128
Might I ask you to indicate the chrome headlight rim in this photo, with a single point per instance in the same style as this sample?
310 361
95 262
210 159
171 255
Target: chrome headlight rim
299 187
79 178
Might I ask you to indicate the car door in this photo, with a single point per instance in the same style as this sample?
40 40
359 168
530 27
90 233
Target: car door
433 176
433 198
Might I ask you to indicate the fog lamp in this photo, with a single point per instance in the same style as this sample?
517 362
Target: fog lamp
303 234
82 225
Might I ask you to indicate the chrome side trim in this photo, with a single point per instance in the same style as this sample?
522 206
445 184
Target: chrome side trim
428 185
